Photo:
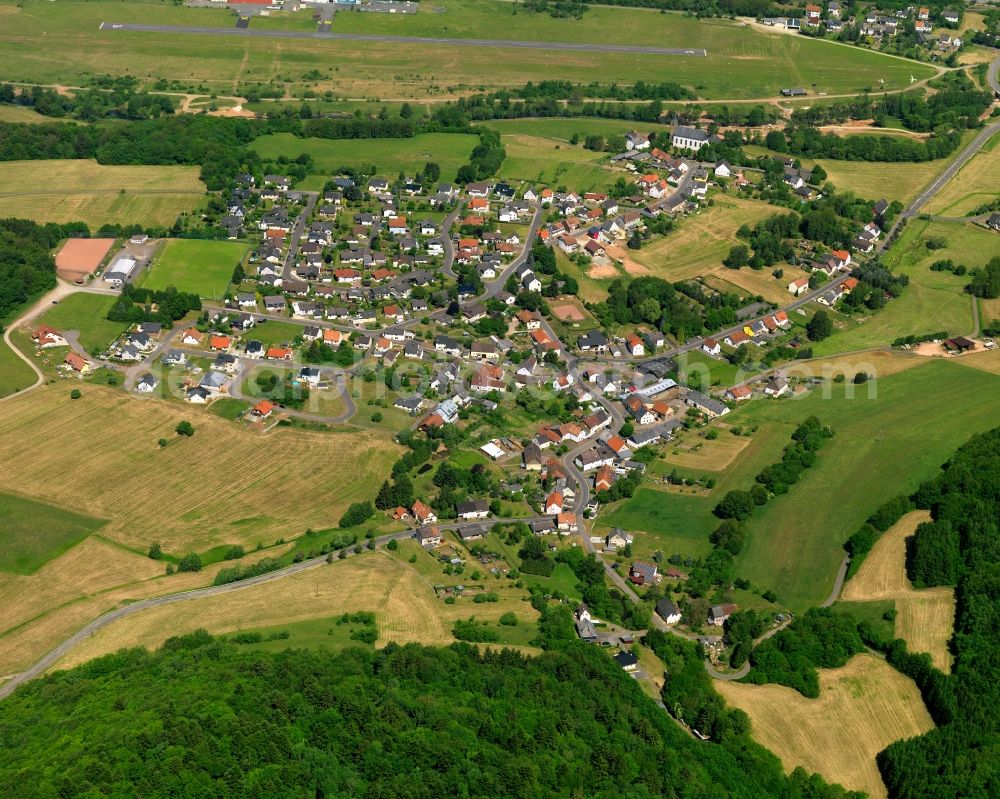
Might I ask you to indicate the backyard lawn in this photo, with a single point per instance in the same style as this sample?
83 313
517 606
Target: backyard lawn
88 314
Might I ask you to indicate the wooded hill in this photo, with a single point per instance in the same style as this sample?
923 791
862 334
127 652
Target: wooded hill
206 718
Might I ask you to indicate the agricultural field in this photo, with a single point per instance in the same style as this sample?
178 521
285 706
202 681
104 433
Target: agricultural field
88 314
680 520
201 267
924 618
862 708
540 160
390 156
795 542
15 374
73 48
565 128
933 301
196 493
977 183
36 532
85 191
700 242
403 601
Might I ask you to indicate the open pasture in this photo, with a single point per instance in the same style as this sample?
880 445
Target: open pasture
682 522
403 601
88 314
81 190
15 374
390 156
924 618
933 301
74 47
201 267
537 159
977 183
862 708
221 486
795 542
700 242
34 532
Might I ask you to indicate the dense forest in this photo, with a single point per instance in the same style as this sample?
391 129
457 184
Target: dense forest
959 547
204 718
26 267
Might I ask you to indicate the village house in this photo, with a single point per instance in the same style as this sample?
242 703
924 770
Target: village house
423 513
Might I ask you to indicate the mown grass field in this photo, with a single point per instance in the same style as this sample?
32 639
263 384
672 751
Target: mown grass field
862 708
15 374
220 486
85 191
403 601
700 242
925 618
795 541
99 456
564 129
977 183
390 156
541 160
681 521
933 301
22 114
73 47
34 532
201 267
87 313
272 331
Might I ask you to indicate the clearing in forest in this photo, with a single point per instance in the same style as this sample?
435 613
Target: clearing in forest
862 708
924 618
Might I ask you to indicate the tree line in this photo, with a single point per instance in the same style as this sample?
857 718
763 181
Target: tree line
27 268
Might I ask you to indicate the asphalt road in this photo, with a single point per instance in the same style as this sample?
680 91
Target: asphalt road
53 656
373 37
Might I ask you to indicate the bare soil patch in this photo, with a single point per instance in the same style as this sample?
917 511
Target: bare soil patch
567 312
599 272
80 257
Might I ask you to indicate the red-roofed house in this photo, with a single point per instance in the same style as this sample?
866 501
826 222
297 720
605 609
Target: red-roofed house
262 409
424 514
553 504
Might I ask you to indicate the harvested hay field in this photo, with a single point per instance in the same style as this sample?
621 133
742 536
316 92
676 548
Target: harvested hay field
924 618
221 486
862 708
85 191
712 456
404 604
39 611
700 242
80 257
880 364
986 361
883 573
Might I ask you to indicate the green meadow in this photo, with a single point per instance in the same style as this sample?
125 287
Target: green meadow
35 532
200 267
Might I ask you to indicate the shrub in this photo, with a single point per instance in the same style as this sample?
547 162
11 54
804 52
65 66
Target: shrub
184 428
75 394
